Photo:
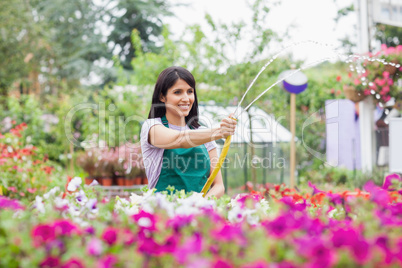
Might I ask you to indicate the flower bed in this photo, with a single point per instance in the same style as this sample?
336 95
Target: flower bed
276 227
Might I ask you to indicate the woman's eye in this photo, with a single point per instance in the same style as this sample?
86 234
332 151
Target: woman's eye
190 91
177 92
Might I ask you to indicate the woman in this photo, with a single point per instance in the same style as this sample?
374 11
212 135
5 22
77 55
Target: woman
176 151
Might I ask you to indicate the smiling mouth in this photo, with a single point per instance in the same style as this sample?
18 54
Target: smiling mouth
184 106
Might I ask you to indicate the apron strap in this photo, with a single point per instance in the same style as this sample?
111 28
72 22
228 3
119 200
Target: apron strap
164 121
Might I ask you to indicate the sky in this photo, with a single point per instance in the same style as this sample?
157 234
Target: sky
313 19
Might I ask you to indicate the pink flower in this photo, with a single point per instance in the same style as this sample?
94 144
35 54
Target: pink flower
110 236
108 261
221 263
377 194
385 74
145 220
316 251
357 81
50 262
385 90
148 246
258 264
193 245
389 181
128 237
31 190
379 81
65 227
94 247
43 233
367 92
73 263
361 251
230 233
6 203
344 237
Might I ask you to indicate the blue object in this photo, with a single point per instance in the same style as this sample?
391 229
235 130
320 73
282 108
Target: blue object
295 82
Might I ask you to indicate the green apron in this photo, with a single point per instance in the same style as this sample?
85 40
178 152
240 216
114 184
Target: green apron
185 169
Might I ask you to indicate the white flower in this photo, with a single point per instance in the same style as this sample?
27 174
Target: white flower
91 205
61 203
74 184
81 198
38 204
51 192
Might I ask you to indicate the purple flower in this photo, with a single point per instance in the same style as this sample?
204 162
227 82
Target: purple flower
382 243
73 263
43 233
389 181
335 199
110 236
90 230
107 261
292 205
50 262
64 227
94 247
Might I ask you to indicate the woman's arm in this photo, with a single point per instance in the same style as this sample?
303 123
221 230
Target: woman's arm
166 138
217 189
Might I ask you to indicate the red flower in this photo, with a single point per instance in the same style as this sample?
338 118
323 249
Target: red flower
338 78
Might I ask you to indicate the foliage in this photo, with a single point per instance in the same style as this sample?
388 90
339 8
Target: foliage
24 172
298 229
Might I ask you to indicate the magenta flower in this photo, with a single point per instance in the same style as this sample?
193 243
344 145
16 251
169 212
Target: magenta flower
221 263
179 222
361 251
65 227
258 264
193 245
316 252
43 233
94 247
107 261
6 203
230 233
377 194
315 189
170 244
344 237
148 246
382 243
145 220
389 181
280 226
73 263
110 236
49 262
128 237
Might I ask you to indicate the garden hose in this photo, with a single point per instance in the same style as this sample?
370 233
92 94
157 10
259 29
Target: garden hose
218 166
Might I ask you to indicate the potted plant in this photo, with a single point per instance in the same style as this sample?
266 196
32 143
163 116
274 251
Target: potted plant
87 160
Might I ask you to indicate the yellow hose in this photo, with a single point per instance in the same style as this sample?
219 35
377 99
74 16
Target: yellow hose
218 166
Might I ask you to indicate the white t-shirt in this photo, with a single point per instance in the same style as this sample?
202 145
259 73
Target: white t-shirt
153 156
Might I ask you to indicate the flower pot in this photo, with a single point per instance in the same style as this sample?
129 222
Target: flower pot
137 180
121 180
89 180
352 94
107 181
391 69
144 180
129 181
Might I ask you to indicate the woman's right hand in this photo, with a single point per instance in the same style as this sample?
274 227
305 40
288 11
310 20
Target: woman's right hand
227 127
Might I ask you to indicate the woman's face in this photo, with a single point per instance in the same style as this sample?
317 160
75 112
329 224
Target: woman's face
179 98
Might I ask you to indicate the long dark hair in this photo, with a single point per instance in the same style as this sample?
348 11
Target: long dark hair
166 79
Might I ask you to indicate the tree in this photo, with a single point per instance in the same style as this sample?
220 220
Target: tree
146 17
